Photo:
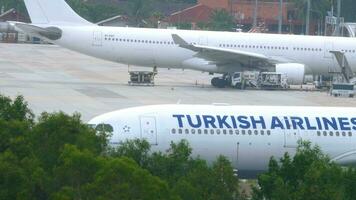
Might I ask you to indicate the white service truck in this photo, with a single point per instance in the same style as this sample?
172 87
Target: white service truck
260 80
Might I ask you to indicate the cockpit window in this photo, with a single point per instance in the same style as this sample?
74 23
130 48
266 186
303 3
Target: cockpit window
104 128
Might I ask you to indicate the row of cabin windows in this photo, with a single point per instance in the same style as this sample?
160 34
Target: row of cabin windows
226 45
219 131
252 46
140 41
332 133
279 48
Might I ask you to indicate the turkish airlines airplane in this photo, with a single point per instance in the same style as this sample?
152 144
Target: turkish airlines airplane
247 135
206 51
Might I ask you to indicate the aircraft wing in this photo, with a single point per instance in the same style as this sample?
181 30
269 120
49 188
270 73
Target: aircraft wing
223 56
52 33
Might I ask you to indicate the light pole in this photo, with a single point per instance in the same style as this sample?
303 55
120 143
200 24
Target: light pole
307 18
280 16
338 17
255 14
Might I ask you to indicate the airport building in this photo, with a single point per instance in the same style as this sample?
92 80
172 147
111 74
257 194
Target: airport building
243 12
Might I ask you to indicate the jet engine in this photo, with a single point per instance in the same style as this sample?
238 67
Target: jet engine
295 72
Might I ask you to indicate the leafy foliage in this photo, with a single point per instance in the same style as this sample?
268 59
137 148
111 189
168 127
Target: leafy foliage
308 175
318 8
221 20
60 157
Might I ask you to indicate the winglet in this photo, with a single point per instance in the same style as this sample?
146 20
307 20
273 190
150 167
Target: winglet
180 41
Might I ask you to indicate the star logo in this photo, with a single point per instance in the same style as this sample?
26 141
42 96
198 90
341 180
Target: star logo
126 129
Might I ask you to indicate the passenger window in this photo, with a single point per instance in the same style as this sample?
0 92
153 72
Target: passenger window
205 131
199 131
218 131
350 134
231 132
224 132
186 131
193 131
243 132
174 131
237 132
338 133
180 131
268 132
212 131
256 132
343 134
331 133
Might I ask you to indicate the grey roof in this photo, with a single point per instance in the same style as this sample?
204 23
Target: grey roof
7 12
111 19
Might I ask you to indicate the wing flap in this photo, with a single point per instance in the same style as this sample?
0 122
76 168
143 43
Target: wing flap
223 56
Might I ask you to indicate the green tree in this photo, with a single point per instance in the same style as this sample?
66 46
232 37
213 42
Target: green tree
318 8
139 10
122 178
17 4
350 182
308 175
221 20
75 170
54 131
348 10
138 150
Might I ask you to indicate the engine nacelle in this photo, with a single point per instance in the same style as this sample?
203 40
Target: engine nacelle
295 72
6 27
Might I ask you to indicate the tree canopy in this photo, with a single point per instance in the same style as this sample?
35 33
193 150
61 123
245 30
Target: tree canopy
57 156
309 175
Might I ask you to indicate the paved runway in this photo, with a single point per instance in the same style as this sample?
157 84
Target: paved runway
53 79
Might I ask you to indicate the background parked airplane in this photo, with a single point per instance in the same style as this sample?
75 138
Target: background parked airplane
247 135
214 52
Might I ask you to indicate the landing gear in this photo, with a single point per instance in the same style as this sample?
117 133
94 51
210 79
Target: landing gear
219 82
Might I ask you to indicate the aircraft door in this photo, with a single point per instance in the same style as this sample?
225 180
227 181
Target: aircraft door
291 138
149 129
97 38
203 41
328 46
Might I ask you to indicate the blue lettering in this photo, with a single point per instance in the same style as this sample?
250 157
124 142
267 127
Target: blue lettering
344 124
233 119
286 120
192 124
222 122
309 126
209 121
259 121
244 124
180 121
297 122
329 123
353 121
320 127
276 123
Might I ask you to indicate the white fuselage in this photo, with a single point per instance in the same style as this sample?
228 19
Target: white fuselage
247 135
155 47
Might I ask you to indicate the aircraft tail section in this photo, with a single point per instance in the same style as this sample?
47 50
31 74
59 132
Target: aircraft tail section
56 12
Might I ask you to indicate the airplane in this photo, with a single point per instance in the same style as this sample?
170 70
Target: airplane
207 51
247 135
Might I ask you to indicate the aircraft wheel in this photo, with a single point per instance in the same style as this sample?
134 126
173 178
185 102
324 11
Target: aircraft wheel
218 82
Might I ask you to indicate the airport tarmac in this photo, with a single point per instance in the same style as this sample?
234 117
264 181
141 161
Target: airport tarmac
55 79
